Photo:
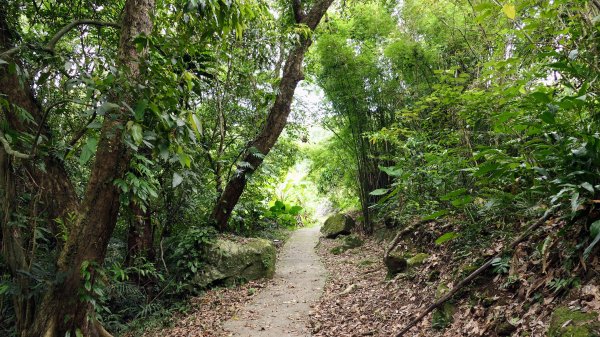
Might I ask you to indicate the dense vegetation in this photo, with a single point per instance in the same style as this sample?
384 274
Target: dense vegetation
133 131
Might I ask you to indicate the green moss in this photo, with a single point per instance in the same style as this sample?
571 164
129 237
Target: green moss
417 259
337 250
441 290
364 263
352 241
567 323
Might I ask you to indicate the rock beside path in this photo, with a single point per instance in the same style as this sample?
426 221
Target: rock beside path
335 225
228 261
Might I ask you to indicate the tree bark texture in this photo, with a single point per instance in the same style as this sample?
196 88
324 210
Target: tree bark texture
62 309
277 118
140 236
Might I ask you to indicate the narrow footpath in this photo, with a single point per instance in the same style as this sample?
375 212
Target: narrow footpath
282 308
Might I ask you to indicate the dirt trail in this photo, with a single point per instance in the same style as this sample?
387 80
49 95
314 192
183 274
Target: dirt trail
282 308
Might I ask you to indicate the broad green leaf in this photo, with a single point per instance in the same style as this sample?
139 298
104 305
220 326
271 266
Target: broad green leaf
94 125
510 11
588 187
446 237
107 107
177 179
575 202
435 215
295 210
185 160
548 117
595 235
140 109
88 150
541 97
463 200
380 191
136 133
453 194
391 171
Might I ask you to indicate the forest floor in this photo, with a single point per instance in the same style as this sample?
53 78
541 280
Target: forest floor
359 300
351 296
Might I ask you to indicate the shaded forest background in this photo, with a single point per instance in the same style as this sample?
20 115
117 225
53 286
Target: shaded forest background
134 131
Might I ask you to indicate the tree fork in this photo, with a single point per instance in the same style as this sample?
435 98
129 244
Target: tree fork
277 118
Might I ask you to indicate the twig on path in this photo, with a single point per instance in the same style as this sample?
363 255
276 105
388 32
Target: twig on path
371 271
479 270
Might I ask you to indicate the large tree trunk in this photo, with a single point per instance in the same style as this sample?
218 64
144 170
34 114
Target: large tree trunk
277 118
63 308
140 236
42 176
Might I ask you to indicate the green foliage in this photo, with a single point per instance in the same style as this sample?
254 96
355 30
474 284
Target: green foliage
501 265
284 214
187 253
594 236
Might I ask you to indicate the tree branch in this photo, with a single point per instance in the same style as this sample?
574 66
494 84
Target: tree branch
49 47
9 149
298 12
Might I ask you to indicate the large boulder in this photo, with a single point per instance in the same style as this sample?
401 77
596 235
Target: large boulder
573 323
335 225
228 261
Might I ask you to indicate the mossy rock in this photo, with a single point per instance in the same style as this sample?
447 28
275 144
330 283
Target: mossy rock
348 242
417 259
567 323
352 241
336 225
337 250
504 328
228 261
395 263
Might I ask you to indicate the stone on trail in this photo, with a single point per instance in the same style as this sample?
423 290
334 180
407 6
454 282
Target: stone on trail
228 261
335 225
348 242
